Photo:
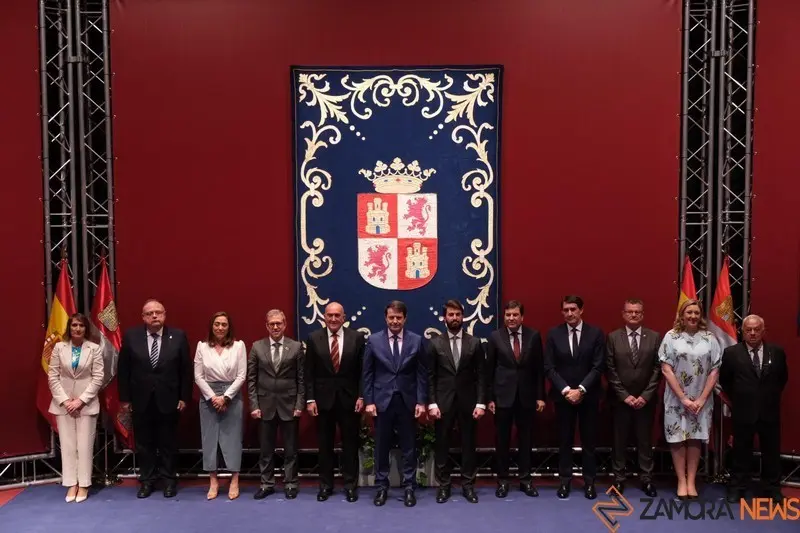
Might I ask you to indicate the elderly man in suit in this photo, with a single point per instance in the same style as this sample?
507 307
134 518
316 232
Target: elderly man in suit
396 392
515 381
634 373
155 376
574 360
456 392
276 393
334 357
753 375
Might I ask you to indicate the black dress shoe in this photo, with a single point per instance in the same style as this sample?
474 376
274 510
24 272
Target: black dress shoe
290 493
145 490
351 495
263 492
734 495
380 497
590 492
563 491
170 490
619 486
443 494
469 494
650 490
529 490
324 494
409 500
502 490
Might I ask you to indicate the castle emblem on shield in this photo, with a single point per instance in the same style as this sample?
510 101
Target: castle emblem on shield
397 240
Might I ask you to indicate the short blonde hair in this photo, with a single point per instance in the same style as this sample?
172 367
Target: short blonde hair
678 325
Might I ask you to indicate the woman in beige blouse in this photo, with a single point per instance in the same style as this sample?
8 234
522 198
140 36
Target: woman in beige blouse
220 367
75 376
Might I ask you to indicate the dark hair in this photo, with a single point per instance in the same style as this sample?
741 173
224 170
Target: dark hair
572 299
229 337
80 317
452 304
515 304
634 301
396 305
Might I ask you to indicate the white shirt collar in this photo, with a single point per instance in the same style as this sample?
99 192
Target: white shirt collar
629 330
337 334
399 335
579 327
160 333
273 342
451 335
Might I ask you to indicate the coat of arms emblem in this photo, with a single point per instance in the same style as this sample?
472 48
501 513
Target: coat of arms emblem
397 238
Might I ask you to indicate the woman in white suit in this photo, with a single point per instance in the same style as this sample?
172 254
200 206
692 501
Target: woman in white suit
75 378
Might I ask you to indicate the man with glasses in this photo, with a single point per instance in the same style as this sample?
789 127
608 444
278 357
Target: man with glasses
634 373
155 377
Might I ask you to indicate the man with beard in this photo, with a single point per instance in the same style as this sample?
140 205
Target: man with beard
515 378
456 392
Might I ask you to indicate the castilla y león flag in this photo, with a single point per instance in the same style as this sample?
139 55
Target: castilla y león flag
722 320
62 307
106 322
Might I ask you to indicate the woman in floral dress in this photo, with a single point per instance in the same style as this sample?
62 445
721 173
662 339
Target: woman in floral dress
690 359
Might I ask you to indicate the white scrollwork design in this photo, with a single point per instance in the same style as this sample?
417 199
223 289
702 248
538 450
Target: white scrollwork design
314 91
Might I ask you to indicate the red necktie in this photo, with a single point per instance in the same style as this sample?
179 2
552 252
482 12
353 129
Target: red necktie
335 353
516 345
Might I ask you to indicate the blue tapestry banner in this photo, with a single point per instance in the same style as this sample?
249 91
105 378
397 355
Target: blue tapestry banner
396 179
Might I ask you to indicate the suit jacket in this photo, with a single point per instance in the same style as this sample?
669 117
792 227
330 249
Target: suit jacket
280 391
754 397
626 379
447 384
83 383
384 375
585 369
508 379
323 384
168 383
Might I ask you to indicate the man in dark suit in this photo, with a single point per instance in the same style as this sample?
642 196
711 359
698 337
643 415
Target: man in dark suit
634 373
515 377
574 360
753 375
456 392
395 391
277 397
155 381
333 394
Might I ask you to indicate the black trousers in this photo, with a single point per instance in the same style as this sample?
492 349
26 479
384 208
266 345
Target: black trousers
443 427
268 435
397 417
626 416
348 421
769 437
156 443
585 413
505 418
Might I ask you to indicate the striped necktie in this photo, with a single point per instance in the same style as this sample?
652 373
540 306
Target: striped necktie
154 350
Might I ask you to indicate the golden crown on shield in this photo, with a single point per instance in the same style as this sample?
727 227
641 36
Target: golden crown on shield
397 177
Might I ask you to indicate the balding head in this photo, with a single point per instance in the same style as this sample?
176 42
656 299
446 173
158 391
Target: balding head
753 330
334 316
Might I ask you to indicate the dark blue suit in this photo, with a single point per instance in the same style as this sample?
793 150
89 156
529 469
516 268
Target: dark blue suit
395 383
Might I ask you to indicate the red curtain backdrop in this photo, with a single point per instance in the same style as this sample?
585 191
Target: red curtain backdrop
22 266
590 135
775 288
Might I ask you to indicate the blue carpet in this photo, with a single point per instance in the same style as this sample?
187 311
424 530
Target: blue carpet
42 509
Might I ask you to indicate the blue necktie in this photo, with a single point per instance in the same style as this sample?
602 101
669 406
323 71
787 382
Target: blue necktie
395 348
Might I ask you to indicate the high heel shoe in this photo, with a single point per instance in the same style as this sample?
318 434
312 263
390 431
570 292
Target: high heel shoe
71 493
212 493
83 493
233 492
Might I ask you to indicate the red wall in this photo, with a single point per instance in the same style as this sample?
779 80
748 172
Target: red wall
21 231
590 134
775 263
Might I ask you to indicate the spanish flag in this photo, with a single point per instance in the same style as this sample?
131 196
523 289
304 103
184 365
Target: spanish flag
61 309
688 291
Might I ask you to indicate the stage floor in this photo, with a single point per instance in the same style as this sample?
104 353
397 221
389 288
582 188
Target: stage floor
42 509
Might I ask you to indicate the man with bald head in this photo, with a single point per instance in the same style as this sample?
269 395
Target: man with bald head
333 395
753 375
154 377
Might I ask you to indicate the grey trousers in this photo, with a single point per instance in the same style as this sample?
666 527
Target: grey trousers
221 431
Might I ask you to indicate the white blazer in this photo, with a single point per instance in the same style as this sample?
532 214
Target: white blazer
84 382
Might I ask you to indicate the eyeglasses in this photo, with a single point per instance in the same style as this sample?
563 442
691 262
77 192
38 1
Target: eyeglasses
634 312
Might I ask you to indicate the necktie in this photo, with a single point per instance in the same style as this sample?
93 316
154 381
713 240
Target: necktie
395 348
574 342
634 348
276 355
756 362
154 350
515 334
335 352
456 353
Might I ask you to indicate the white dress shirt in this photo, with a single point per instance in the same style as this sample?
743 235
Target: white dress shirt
230 365
511 338
638 336
272 343
459 337
340 337
150 340
579 329
759 354
399 341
